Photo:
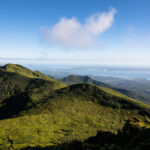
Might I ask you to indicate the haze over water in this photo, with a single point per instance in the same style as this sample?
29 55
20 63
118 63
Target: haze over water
111 71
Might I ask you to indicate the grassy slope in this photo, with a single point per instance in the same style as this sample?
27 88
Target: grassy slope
19 90
78 120
74 112
74 79
15 68
70 114
118 94
25 72
139 87
134 135
91 93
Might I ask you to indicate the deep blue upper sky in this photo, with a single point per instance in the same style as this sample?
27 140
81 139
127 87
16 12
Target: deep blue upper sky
126 41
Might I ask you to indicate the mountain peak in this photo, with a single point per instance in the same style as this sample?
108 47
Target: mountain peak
13 66
19 69
16 68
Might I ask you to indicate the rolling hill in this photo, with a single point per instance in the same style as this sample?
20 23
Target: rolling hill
38 111
74 79
20 90
139 86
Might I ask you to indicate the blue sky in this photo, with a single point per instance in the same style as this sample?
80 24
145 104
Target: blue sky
97 32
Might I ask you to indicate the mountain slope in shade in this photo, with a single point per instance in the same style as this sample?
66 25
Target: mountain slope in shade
15 68
138 86
19 90
91 93
39 112
73 79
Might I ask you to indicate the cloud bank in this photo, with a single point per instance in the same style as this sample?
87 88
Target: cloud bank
71 32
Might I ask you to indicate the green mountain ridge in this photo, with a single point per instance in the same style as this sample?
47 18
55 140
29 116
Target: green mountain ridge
37 111
23 90
138 86
74 79
16 68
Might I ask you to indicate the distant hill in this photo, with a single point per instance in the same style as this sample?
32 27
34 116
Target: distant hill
73 79
36 110
139 86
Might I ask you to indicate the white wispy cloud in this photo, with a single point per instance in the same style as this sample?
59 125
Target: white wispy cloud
72 32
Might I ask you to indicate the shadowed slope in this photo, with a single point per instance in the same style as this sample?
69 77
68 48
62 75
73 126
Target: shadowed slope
88 92
47 114
18 69
18 90
74 79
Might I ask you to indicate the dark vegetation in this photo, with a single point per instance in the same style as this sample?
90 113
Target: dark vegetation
139 87
88 92
18 90
131 88
132 136
38 112
74 79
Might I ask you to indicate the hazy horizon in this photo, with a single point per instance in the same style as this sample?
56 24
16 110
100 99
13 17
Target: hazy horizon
99 32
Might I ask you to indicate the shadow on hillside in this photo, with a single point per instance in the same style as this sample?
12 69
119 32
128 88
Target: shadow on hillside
132 136
75 145
13 105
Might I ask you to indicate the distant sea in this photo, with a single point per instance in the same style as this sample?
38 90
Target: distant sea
60 71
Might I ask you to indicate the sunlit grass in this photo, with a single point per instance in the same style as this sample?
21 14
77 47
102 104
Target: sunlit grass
68 121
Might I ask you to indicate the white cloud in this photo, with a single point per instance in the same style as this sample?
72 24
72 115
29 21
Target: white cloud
73 33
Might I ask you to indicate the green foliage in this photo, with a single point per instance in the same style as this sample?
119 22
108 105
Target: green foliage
73 79
18 69
134 135
138 88
111 83
36 112
19 91
68 121
25 72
